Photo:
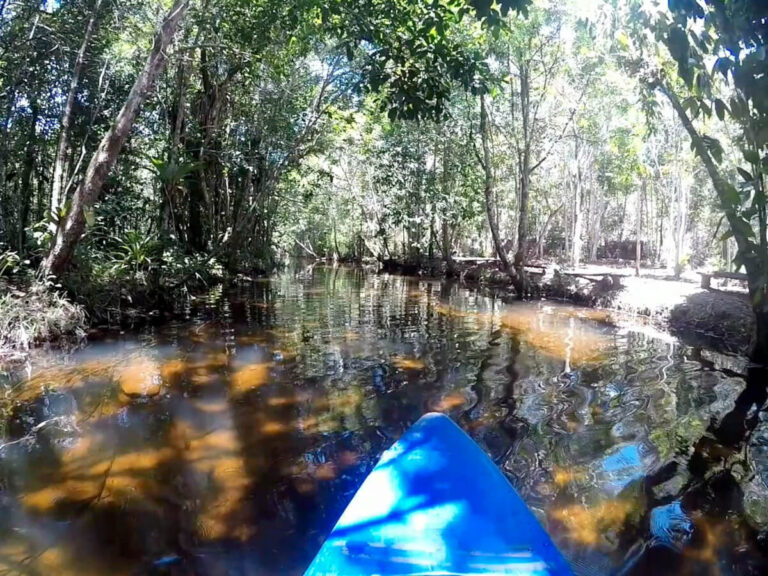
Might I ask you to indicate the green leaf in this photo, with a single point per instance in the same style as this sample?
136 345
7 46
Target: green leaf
751 156
745 175
677 40
739 109
742 228
720 109
89 217
722 65
714 147
731 197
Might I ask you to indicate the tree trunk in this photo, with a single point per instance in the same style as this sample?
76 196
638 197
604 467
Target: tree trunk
446 248
445 235
103 160
336 252
753 266
679 223
639 229
169 206
524 163
432 236
485 136
623 219
596 227
25 198
544 230
577 217
60 163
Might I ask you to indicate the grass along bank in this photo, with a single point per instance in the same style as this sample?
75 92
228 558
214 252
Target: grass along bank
33 312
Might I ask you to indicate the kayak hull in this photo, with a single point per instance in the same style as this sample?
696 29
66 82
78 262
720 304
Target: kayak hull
436 504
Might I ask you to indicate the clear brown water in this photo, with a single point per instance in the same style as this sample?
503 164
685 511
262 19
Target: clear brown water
230 442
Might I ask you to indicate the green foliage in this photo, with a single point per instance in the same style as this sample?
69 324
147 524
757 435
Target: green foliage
9 262
734 34
34 312
171 174
332 128
135 252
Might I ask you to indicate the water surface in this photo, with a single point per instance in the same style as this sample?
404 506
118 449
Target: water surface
229 442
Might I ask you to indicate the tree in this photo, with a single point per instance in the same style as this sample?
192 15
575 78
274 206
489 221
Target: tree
62 149
412 66
71 229
732 35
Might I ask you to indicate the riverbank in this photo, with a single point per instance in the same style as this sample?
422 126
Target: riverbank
32 313
719 319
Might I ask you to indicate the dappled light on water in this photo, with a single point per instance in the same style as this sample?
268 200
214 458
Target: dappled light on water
595 525
219 468
557 335
228 443
408 363
140 377
448 402
553 330
250 377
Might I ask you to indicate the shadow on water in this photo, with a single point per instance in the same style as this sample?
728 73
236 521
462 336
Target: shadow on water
232 442
691 539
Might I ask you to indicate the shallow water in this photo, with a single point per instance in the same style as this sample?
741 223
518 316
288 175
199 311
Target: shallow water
230 442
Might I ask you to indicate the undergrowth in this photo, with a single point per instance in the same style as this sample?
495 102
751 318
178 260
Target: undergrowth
33 312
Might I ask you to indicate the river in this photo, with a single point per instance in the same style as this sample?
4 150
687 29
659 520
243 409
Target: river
229 440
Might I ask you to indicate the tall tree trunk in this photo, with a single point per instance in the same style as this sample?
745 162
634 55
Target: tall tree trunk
445 235
639 229
577 216
25 198
432 237
623 219
524 162
485 136
60 162
754 266
169 207
5 141
446 248
41 204
545 230
594 240
678 223
336 251
103 160
204 199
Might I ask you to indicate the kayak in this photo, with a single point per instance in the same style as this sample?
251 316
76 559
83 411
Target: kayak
436 504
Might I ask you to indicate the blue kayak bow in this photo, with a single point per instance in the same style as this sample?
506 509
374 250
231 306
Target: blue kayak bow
435 504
